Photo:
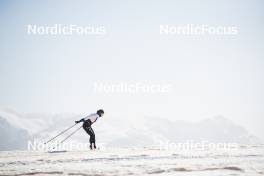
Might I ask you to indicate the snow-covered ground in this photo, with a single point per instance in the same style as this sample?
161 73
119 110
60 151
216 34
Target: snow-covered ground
245 160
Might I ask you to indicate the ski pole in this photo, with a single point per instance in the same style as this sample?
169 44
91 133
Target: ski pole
60 133
68 137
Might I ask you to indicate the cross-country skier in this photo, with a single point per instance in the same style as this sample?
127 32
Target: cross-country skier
87 125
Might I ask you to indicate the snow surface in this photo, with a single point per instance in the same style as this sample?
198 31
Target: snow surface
246 160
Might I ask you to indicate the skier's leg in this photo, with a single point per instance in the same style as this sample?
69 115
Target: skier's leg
92 137
87 128
86 125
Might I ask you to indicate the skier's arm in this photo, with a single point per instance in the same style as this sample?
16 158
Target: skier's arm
83 119
78 121
91 116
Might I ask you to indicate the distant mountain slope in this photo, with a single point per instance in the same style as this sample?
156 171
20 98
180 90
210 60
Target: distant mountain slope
121 132
153 130
12 138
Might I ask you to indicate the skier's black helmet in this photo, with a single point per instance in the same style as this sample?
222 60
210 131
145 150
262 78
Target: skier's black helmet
100 112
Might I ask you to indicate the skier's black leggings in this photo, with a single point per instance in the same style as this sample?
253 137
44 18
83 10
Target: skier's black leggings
87 127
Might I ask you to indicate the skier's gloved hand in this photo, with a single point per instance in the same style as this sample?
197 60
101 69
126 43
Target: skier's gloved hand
78 121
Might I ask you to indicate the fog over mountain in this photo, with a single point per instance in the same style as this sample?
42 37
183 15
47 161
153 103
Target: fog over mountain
12 138
16 129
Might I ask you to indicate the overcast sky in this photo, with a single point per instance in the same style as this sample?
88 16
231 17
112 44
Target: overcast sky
210 74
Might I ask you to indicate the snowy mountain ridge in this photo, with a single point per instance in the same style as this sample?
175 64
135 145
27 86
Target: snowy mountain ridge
124 132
